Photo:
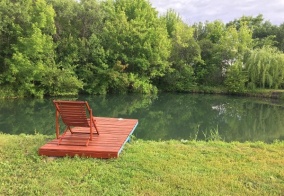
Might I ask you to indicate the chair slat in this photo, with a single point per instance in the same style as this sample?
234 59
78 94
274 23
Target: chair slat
74 114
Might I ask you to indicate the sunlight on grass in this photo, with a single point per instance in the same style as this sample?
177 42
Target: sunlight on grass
144 168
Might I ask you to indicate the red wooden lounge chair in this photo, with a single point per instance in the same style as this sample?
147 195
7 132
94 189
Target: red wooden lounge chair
74 114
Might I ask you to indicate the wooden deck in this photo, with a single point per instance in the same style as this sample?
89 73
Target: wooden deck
114 133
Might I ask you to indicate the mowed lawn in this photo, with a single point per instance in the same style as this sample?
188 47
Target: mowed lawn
144 168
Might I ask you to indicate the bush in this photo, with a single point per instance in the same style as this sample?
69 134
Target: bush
236 78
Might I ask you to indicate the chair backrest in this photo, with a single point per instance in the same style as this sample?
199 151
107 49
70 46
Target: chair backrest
73 113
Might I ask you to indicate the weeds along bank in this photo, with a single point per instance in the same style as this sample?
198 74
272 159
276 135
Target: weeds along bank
144 168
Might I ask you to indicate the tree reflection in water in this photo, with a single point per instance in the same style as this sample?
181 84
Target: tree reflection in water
162 117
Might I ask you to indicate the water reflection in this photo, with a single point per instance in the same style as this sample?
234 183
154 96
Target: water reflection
167 116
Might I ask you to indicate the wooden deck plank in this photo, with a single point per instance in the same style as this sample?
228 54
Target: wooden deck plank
114 133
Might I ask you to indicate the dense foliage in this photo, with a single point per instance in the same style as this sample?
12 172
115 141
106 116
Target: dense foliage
62 47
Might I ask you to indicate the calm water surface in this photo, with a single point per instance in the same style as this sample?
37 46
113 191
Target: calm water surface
167 116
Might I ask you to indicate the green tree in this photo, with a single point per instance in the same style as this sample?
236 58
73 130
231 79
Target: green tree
136 42
30 58
209 70
67 32
265 67
31 50
236 78
221 46
264 33
79 25
280 37
250 21
185 53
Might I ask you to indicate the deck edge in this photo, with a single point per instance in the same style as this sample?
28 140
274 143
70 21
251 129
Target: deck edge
127 139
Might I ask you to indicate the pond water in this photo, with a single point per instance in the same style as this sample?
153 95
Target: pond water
166 116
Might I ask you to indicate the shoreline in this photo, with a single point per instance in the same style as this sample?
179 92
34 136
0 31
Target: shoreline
258 93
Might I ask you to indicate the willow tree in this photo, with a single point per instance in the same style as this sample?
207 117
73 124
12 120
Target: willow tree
265 67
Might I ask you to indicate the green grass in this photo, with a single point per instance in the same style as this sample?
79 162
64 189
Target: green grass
144 168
